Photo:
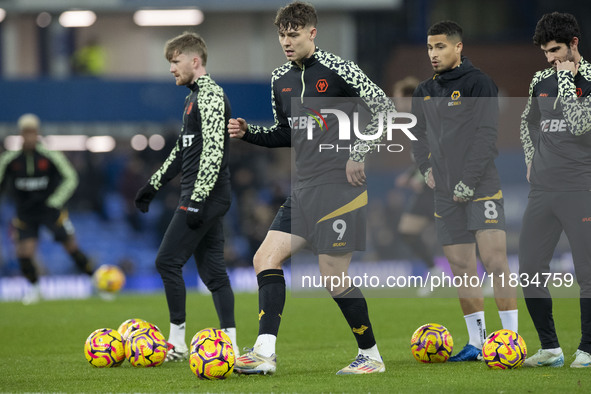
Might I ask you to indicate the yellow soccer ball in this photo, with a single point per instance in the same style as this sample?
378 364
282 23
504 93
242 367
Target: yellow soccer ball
109 278
104 348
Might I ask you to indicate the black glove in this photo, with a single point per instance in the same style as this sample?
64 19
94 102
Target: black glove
194 214
144 196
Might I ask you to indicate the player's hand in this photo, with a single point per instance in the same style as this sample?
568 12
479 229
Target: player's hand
144 197
567 65
429 180
463 192
355 173
52 203
237 127
528 172
194 214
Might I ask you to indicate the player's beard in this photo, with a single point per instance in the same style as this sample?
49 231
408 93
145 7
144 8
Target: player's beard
569 56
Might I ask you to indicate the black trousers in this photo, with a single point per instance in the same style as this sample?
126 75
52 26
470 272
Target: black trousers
546 216
205 243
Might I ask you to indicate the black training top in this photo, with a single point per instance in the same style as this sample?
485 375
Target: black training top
201 151
296 91
555 129
457 120
40 179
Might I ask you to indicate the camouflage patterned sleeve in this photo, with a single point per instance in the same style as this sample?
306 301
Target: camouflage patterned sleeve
69 182
576 111
210 102
530 121
169 169
278 135
5 159
376 100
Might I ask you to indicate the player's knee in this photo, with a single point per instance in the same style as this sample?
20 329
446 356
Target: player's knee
265 261
213 284
460 266
164 265
496 263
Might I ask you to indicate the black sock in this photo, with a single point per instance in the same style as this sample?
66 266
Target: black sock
585 344
28 269
223 299
271 300
81 261
418 247
354 308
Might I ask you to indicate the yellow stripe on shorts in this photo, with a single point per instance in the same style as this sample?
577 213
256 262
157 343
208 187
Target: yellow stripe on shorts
497 196
358 202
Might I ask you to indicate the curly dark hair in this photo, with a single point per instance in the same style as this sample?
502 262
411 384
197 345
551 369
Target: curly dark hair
296 15
561 27
449 28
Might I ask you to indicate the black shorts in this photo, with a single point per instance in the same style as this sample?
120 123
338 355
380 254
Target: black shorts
55 220
457 222
331 218
422 203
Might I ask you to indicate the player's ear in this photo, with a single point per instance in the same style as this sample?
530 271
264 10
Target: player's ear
196 61
459 47
574 43
313 32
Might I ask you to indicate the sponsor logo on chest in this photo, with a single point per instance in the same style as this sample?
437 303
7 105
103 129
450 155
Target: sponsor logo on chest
31 184
553 126
188 140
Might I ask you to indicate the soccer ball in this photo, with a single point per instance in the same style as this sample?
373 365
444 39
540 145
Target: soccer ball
146 348
431 343
213 333
212 356
104 348
504 349
137 326
125 325
109 278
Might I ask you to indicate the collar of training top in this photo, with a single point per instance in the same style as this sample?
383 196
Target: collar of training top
307 62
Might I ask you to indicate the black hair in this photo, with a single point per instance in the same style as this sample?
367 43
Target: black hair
561 27
448 28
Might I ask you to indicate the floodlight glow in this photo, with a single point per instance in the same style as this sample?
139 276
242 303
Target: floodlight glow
65 142
156 142
13 142
187 17
43 19
139 142
77 18
2 14
100 143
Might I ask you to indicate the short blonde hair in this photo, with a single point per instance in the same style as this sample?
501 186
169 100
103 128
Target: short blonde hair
186 43
28 121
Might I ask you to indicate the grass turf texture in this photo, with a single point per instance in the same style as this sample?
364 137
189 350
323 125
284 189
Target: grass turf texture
42 348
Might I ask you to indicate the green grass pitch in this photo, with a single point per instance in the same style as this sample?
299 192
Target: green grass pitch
42 348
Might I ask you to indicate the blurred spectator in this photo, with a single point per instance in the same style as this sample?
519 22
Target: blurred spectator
89 60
